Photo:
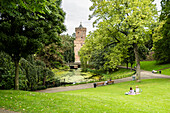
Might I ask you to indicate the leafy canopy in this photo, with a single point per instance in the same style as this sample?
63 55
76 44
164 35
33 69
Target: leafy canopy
121 24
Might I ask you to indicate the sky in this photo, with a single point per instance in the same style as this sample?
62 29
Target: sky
78 11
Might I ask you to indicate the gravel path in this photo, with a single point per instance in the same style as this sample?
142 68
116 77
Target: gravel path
6 111
144 75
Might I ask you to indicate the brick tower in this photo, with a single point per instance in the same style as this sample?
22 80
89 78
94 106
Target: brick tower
79 41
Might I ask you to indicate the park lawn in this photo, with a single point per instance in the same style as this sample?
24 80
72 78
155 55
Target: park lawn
152 65
166 71
155 97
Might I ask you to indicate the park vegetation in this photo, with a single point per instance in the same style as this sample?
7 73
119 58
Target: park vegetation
126 32
31 43
122 25
111 98
161 36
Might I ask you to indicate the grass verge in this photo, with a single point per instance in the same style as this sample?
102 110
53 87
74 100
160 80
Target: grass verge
107 99
152 65
166 71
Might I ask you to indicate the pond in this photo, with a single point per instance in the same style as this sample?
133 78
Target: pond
75 76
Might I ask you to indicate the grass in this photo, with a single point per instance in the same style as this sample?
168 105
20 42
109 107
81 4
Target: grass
154 98
166 71
152 65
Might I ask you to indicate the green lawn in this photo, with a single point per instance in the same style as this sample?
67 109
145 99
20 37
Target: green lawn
155 97
152 65
166 71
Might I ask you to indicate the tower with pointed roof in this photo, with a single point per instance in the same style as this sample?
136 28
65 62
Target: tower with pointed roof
79 41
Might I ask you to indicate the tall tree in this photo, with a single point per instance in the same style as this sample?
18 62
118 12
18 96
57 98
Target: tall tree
161 35
27 25
68 48
129 19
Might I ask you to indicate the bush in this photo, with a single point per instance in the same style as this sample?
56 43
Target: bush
41 87
7 81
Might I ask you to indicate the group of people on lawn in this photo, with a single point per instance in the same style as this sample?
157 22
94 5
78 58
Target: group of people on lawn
133 92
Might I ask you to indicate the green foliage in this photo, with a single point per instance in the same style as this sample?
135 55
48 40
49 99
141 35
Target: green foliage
162 35
165 12
7 82
161 39
32 73
97 59
51 55
35 72
56 54
83 64
116 74
6 71
120 25
27 26
68 48
108 99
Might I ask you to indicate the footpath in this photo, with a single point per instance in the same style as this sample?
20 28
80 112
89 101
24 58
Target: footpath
144 75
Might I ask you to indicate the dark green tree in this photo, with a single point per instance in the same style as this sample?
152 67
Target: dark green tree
6 71
35 72
162 45
51 55
68 48
26 27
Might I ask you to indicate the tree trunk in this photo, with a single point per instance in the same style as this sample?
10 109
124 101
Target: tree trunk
16 74
44 80
138 62
131 67
127 65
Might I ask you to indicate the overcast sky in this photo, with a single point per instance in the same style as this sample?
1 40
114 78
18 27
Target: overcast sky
78 11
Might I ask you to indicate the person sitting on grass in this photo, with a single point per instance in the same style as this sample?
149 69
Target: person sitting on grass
131 92
137 90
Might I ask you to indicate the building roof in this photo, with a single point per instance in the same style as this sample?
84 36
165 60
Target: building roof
80 25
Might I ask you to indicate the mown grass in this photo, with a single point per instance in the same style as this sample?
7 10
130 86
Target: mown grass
153 65
154 98
166 71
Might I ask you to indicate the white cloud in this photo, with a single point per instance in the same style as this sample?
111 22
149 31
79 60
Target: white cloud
78 11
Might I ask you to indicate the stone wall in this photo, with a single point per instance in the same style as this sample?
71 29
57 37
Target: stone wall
79 41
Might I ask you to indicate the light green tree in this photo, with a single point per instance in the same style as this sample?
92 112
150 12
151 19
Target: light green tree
124 23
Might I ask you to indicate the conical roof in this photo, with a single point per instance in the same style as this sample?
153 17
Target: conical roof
80 25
